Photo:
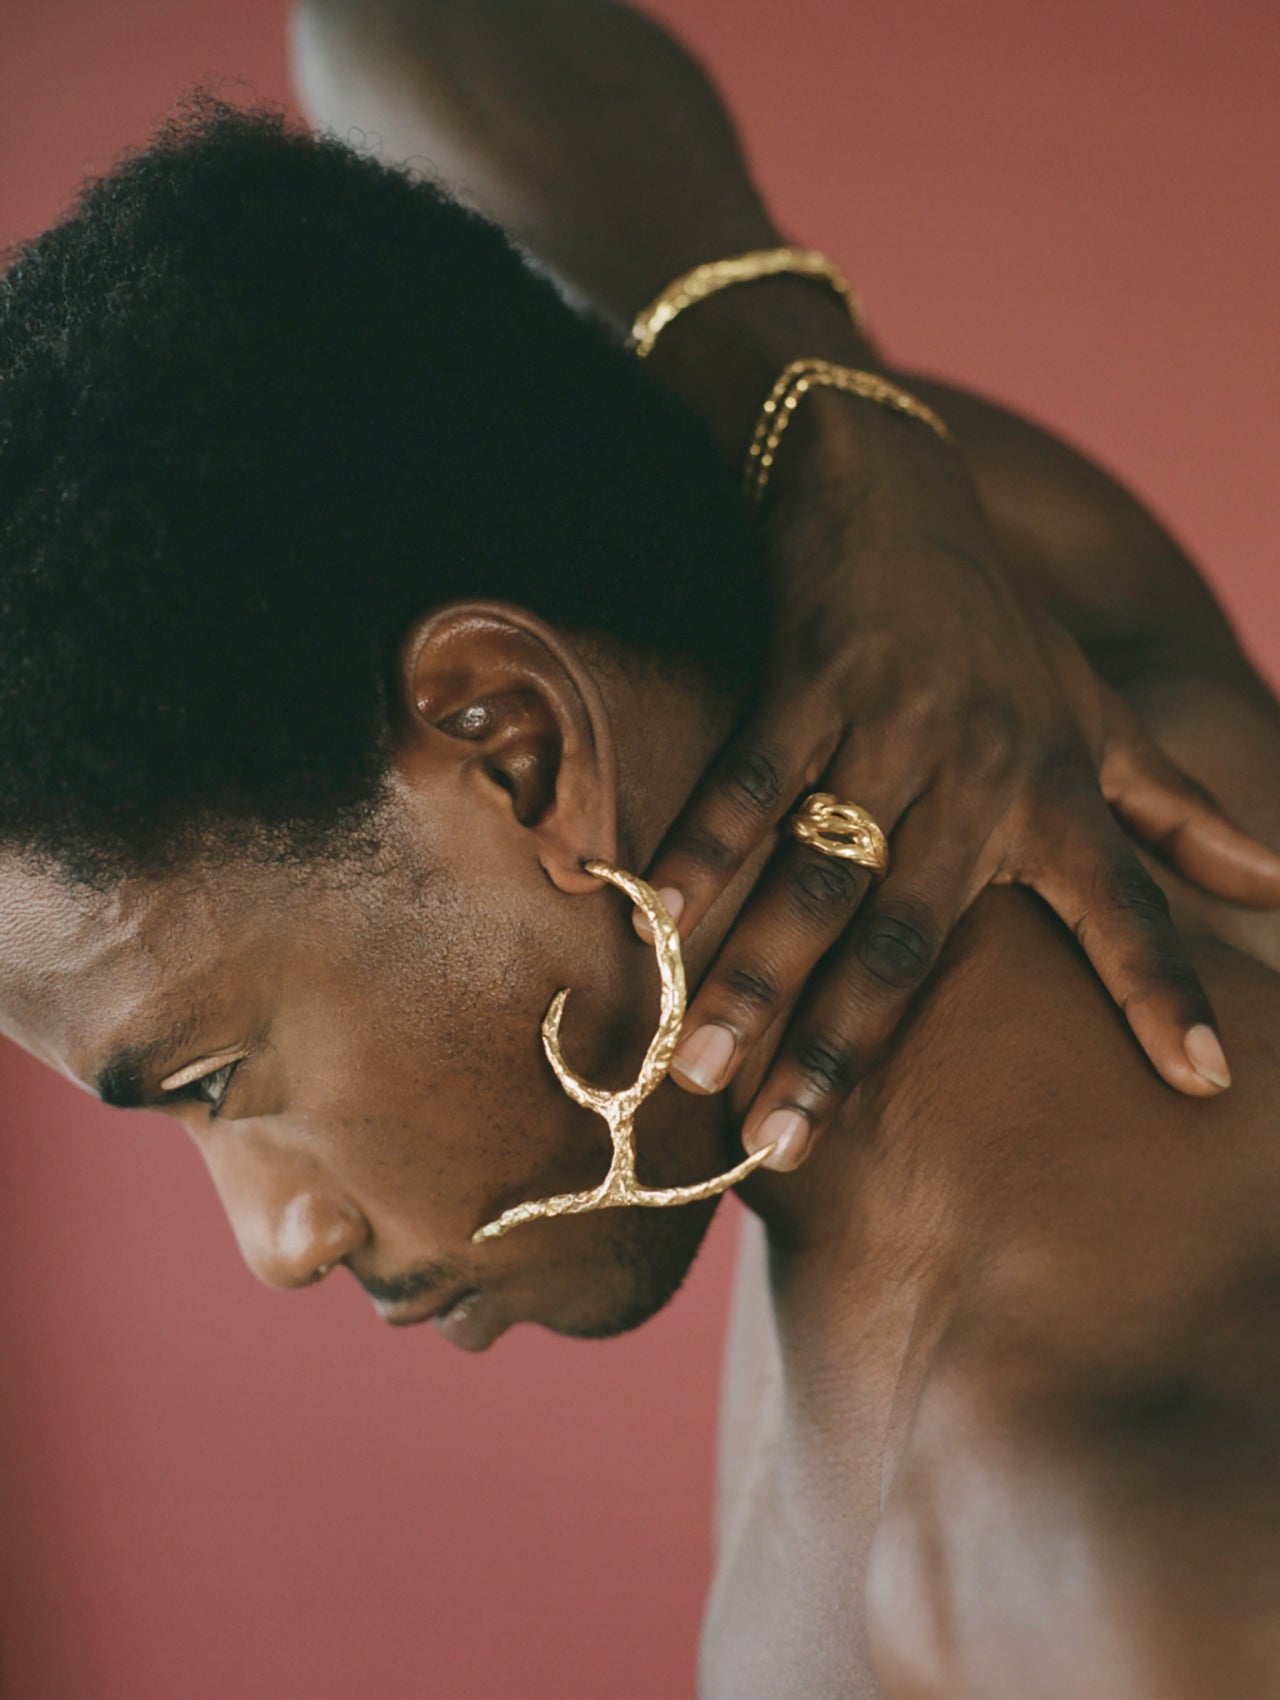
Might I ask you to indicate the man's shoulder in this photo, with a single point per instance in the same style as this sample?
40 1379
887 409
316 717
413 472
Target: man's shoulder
1062 1524
1088 1497
1057 1136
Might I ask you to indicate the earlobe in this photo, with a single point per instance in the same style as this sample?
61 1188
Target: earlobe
490 689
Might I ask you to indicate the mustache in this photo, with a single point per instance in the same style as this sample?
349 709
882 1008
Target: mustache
403 1289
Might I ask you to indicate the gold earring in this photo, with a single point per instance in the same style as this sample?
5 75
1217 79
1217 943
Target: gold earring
620 1185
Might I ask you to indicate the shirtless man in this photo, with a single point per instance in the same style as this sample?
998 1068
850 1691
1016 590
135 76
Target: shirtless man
1002 1413
1003 1405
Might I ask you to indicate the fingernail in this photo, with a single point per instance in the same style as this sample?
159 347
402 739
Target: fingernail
704 1056
672 901
1205 1055
789 1133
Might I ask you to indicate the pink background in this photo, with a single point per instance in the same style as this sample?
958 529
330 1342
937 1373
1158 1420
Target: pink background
212 1492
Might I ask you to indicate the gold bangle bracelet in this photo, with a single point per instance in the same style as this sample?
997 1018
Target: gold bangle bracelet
796 381
707 280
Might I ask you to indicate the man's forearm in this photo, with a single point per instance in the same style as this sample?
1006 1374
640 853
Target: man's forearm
598 141
579 125
590 134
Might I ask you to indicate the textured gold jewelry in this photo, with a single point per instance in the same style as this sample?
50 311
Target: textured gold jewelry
696 285
837 828
795 382
620 1185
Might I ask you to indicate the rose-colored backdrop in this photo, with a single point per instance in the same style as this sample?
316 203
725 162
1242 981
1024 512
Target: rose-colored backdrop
213 1492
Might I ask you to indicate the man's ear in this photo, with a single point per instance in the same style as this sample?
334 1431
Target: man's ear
491 691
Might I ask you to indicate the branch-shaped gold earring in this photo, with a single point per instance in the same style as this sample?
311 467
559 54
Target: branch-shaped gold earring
620 1185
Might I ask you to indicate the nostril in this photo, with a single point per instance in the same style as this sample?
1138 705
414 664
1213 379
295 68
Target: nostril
309 1237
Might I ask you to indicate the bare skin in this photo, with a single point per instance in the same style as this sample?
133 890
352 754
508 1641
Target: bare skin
906 670
365 1031
1004 1399
1002 1415
1006 1362
1005 1369
1005 1366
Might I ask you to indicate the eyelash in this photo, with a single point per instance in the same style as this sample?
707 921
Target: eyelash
197 1091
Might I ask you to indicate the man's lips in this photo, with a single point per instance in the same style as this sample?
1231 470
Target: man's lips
470 1323
463 1317
410 1315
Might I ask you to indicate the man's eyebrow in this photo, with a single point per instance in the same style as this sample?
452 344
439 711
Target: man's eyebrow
120 1080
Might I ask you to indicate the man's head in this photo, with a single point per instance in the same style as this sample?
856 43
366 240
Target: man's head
352 593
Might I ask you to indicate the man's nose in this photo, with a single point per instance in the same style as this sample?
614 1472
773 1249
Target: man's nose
290 1221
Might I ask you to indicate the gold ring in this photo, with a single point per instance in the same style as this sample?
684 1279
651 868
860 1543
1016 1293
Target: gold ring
836 828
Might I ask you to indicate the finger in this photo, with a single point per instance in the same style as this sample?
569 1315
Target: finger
801 905
1095 882
739 800
1182 824
860 996
800 908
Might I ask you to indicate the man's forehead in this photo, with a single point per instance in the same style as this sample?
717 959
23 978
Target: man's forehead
80 964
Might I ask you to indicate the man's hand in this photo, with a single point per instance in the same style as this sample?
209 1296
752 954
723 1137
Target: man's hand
907 676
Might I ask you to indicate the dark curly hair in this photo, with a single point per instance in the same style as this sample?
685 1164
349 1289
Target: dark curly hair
262 401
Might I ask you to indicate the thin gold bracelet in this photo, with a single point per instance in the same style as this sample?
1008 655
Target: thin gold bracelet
706 280
796 381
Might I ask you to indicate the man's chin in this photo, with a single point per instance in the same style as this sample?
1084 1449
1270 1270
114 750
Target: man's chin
607 1327
650 1257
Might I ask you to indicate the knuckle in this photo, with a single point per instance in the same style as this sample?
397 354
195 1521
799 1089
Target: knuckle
752 781
1129 887
1170 974
1176 973
825 886
751 987
705 848
898 944
826 1063
1197 793
1160 964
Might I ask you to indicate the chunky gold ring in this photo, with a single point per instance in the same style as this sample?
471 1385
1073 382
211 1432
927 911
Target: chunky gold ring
837 828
